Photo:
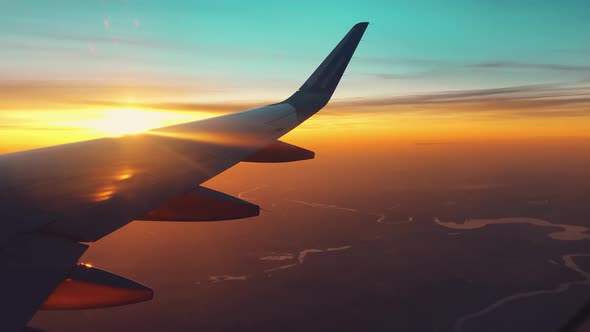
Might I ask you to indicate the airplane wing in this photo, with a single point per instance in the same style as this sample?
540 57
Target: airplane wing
54 198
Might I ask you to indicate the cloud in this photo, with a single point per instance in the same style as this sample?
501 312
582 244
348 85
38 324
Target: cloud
536 66
393 76
118 38
403 60
41 47
69 52
68 44
544 100
210 107
39 128
41 94
423 68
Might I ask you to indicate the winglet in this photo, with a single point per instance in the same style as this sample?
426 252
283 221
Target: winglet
327 76
319 87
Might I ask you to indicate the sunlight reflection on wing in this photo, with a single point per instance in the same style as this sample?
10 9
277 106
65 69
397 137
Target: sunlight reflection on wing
215 137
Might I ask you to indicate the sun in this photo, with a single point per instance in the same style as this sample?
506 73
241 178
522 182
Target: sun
125 121
118 122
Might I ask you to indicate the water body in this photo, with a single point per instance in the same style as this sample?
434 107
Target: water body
381 217
284 257
242 194
304 253
325 206
215 279
567 232
563 287
301 257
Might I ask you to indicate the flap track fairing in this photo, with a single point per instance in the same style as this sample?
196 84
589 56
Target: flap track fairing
280 152
203 204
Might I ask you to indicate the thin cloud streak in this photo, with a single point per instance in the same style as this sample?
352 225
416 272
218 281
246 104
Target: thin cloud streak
430 68
535 66
131 40
24 94
544 100
210 107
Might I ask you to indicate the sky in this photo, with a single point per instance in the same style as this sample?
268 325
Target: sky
425 70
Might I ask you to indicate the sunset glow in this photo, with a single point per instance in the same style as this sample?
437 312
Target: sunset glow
113 69
117 122
375 165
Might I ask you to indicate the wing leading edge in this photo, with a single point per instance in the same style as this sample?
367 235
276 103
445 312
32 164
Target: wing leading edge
62 195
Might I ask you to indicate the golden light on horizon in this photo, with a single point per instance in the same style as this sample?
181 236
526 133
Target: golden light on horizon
117 122
37 128
340 127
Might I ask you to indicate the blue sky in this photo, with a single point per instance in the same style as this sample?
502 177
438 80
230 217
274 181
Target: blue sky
264 49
